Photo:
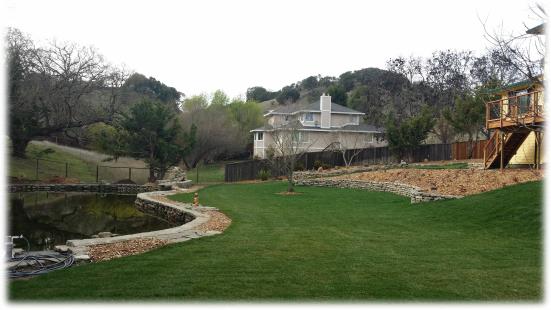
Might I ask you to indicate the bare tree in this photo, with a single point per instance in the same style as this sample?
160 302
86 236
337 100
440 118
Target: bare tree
349 145
289 144
525 51
49 86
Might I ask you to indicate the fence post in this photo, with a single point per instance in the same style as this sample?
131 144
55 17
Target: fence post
37 168
66 170
197 167
97 173
130 173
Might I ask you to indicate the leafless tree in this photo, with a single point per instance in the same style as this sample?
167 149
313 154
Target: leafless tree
50 88
525 51
216 134
349 145
289 145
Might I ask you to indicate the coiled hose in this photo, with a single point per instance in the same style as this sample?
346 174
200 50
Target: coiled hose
38 264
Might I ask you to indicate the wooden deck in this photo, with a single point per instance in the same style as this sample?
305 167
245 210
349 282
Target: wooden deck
512 119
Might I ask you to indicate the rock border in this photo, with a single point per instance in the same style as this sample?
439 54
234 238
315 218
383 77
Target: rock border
415 193
149 202
82 187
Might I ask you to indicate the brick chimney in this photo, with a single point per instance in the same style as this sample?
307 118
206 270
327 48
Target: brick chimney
325 107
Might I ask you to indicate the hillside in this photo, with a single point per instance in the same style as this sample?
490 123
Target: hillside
81 165
373 91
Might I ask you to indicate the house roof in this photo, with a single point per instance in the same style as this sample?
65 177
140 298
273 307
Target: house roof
362 127
539 29
313 107
515 86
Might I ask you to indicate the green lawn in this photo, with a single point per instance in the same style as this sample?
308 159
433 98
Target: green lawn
331 244
208 174
51 165
445 166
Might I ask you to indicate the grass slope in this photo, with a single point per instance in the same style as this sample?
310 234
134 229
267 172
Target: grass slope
328 244
53 164
208 174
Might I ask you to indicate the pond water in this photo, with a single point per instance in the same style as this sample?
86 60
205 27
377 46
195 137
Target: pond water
49 219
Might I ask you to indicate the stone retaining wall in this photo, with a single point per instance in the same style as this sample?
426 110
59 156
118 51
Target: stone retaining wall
95 188
163 210
410 191
312 174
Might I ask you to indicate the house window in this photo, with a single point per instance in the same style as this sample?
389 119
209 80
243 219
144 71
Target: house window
303 137
300 136
309 117
369 138
259 136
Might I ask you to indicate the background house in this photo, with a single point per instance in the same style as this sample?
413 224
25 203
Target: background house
318 126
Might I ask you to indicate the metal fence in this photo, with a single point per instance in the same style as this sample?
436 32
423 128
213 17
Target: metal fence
249 170
53 171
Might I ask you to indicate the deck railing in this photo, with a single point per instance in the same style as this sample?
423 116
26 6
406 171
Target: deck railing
515 108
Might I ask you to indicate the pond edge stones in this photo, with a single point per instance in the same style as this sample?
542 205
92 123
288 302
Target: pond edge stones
155 203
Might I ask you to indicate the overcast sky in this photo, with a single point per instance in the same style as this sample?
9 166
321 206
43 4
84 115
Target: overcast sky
201 46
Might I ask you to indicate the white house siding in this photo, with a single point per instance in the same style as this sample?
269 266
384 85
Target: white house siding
320 140
339 120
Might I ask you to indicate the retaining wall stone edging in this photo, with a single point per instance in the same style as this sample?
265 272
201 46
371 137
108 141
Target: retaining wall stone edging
84 188
413 192
190 216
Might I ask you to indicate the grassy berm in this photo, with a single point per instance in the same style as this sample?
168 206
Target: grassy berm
330 244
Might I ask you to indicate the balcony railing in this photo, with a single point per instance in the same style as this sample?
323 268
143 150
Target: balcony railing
515 110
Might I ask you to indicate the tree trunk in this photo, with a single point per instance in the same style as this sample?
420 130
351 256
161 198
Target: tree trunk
291 184
151 174
18 147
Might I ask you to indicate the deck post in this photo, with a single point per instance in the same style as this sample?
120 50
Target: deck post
537 149
501 149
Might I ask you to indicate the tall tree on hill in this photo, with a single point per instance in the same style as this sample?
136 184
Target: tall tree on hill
153 135
154 90
338 94
288 94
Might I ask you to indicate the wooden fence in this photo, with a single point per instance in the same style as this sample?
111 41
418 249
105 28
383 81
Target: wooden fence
248 170
460 150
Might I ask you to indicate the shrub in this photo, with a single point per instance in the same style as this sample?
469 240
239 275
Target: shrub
317 164
264 174
299 166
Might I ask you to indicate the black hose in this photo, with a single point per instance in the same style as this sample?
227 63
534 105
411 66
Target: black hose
43 263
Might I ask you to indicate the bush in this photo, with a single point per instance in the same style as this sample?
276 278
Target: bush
264 174
317 164
299 166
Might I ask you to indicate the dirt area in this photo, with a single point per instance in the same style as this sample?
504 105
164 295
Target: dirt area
450 181
109 251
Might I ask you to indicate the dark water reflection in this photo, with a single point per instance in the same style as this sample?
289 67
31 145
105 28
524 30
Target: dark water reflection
49 219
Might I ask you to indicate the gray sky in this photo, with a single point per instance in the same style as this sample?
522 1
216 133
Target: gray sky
201 46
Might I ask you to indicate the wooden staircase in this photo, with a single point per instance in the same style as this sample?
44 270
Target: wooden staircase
511 141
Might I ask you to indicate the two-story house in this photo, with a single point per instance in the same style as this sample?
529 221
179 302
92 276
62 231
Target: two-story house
318 126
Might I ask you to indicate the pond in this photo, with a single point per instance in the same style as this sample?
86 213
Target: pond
49 219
